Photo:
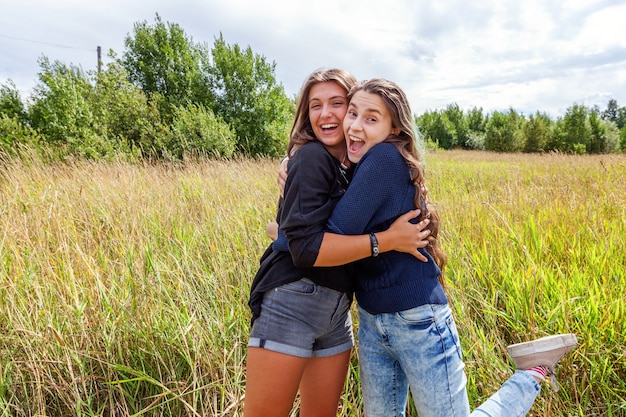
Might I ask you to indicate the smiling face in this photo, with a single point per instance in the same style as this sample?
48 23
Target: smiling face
367 123
327 107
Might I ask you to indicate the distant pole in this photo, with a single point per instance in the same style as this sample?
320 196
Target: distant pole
99 59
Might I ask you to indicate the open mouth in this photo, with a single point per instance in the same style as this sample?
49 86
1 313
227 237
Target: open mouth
355 144
329 127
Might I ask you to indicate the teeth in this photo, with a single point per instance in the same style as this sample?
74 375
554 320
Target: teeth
329 126
355 139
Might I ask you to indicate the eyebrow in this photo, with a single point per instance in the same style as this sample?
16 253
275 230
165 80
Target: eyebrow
367 110
331 98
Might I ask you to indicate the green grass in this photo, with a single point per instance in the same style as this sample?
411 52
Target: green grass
123 288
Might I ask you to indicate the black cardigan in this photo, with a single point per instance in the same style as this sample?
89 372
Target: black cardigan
314 185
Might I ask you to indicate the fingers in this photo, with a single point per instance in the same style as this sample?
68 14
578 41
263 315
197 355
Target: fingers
411 214
419 256
423 242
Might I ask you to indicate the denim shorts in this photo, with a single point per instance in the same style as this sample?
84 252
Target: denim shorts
304 319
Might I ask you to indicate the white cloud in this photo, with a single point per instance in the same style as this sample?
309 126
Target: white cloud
534 55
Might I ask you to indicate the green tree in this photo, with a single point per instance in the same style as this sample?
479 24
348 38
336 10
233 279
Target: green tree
537 132
458 122
10 101
14 131
196 131
604 135
613 141
477 123
575 129
476 120
162 60
621 118
124 113
62 111
504 132
437 128
612 111
15 136
248 97
556 141
615 114
597 134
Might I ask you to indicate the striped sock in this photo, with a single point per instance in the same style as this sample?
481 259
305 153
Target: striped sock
539 372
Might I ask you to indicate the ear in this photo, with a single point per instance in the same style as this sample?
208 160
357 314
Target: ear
396 131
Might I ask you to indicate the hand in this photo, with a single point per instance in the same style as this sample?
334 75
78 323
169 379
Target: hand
272 230
408 237
282 175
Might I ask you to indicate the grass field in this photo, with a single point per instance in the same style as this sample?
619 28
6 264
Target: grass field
123 288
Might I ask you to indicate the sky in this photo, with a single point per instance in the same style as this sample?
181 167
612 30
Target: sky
531 55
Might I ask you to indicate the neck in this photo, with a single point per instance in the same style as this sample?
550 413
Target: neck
340 153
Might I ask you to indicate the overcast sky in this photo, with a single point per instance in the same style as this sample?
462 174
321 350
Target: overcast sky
531 55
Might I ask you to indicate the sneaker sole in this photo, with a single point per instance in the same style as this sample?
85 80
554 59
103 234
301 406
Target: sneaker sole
525 355
543 345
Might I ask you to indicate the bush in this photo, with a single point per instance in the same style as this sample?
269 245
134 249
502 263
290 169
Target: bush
15 135
10 102
197 131
503 132
63 113
124 113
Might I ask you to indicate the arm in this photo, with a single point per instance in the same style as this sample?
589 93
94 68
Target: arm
272 227
378 194
338 249
401 236
282 175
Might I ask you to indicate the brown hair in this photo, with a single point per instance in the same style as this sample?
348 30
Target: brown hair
406 142
302 131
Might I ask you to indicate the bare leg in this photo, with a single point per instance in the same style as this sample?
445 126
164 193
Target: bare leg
322 384
272 381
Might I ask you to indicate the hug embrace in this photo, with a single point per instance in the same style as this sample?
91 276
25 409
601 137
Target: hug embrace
356 221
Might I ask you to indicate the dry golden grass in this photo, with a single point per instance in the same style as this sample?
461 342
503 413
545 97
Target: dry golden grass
123 288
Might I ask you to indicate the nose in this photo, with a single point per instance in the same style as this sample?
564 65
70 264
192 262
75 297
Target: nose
355 124
326 111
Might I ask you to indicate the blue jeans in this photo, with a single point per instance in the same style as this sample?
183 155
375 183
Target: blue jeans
419 348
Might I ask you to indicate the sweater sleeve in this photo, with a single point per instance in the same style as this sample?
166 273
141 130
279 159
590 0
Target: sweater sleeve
310 195
371 202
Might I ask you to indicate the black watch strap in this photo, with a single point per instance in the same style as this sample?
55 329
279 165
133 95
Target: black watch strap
374 243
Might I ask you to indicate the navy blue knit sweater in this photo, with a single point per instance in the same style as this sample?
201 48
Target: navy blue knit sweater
380 191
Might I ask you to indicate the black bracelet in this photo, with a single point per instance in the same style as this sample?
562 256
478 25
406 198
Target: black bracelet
374 243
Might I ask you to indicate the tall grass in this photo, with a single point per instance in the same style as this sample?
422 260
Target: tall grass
123 288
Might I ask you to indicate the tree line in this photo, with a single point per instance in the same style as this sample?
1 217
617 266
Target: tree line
168 97
581 130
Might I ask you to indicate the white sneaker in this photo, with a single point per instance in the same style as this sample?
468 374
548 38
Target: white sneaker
546 351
